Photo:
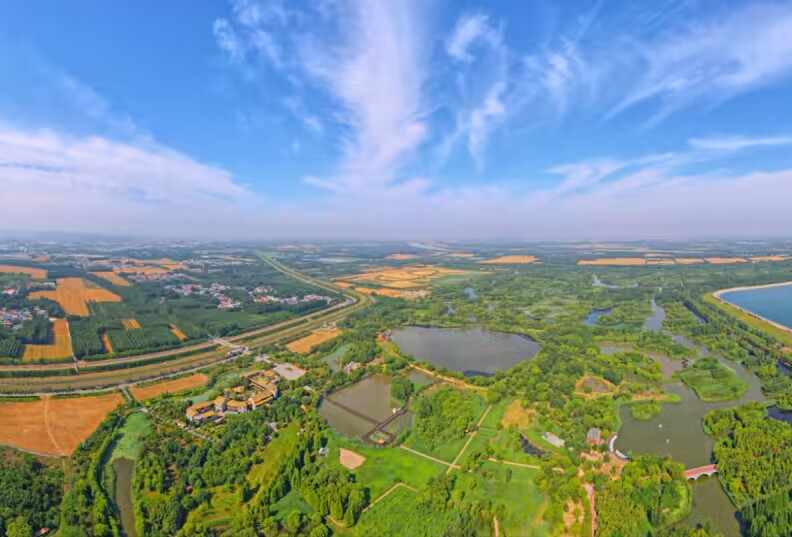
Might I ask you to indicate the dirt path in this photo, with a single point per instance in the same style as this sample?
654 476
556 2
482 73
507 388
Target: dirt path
387 492
451 380
470 438
47 426
424 455
495 526
519 464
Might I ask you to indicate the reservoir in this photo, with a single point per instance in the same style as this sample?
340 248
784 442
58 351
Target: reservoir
473 351
773 303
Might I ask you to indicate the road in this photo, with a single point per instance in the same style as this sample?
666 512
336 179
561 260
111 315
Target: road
96 381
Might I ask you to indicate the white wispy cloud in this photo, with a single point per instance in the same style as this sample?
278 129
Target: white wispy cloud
469 28
736 143
375 74
712 59
485 82
68 182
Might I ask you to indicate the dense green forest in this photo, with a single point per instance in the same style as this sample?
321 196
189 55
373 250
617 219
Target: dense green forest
32 490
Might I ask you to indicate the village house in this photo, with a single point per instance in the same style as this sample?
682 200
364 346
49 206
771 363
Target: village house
351 366
260 399
239 407
594 436
220 403
201 412
553 439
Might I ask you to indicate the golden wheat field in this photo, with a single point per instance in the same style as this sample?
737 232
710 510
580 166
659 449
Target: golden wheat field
510 260
178 333
401 257
60 347
724 260
54 426
317 337
141 393
35 273
769 258
108 347
412 276
74 294
131 324
113 278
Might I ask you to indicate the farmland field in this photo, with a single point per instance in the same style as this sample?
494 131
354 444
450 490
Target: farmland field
54 426
74 294
113 278
317 337
510 259
131 324
60 347
149 391
178 333
35 273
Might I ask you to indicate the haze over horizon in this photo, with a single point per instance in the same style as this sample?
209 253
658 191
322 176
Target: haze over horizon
370 119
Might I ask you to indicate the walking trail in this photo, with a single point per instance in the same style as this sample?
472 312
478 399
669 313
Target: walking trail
470 439
387 492
424 455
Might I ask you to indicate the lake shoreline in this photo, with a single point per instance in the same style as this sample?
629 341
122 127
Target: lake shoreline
717 295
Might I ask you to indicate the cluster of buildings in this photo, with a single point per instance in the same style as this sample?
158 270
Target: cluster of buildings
262 390
264 295
215 290
11 318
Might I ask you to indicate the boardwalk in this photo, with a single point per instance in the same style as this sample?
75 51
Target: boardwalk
351 411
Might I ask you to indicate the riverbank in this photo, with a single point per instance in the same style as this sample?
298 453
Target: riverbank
778 330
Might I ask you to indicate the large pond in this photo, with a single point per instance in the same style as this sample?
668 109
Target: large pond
471 350
124 469
773 303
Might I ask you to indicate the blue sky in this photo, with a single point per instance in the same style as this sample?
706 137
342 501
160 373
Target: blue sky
398 119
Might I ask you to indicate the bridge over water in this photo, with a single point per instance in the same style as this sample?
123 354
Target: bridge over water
695 473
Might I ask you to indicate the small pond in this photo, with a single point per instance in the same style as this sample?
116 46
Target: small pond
357 409
593 317
473 351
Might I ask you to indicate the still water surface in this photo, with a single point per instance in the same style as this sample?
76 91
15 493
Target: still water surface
124 468
470 350
773 303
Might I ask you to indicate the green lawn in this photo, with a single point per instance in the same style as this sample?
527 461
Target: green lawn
713 381
522 499
385 467
288 504
496 414
284 443
445 452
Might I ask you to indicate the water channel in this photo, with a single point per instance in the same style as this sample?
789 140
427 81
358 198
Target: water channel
124 469
677 431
